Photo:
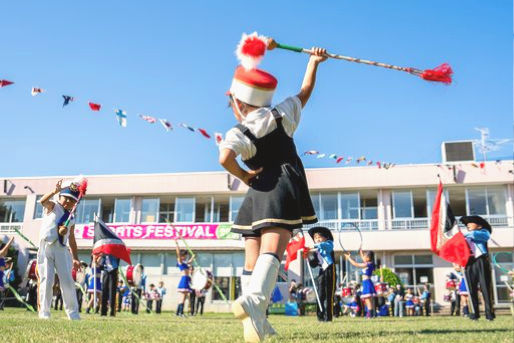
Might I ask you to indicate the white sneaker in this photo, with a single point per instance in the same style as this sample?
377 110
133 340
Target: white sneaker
44 315
252 319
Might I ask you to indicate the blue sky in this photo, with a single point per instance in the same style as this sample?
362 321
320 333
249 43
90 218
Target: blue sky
175 60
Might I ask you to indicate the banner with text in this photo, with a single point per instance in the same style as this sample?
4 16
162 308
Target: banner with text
162 231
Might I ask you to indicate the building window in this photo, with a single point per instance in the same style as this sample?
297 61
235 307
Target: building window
369 204
38 209
11 211
402 204
412 269
122 210
204 211
86 210
457 200
349 205
419 203
149 210
184 210
486 201
235 204
166 210
328 210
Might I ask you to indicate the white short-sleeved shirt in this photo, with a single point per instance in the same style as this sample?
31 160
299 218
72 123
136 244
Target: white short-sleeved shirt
48 231
261 122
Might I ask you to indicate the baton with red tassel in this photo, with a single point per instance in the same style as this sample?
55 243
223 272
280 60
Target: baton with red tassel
252 47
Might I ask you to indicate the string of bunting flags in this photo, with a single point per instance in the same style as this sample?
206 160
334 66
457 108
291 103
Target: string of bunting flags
122 119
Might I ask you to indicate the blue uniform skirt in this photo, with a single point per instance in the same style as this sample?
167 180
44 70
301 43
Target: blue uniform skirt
462 288
368 289
184 284
91 285
409 304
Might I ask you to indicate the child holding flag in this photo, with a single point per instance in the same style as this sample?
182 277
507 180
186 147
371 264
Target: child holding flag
478 268
54 255
278 199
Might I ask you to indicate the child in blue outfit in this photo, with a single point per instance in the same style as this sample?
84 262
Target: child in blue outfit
478 269
184 285
324 247
368 288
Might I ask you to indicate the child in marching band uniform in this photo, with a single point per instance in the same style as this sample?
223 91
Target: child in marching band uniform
461 293
57 251
278 199
368 289
478 268
409 304
324 247
162 292
184 285
94 276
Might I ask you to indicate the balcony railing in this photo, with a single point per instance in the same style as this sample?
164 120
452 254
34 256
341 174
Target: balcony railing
345 224
398 224
410 223
9 228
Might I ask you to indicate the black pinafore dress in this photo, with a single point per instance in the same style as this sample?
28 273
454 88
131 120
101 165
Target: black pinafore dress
279 195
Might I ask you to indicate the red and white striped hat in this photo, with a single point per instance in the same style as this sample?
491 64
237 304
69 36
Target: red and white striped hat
254 87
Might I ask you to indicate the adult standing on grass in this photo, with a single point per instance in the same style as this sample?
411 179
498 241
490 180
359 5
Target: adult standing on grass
399 301
54 255
109 265
278 199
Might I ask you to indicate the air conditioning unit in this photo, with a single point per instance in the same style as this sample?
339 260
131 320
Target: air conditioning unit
457 151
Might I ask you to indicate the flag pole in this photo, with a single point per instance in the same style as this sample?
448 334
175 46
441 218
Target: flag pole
94 272
312 278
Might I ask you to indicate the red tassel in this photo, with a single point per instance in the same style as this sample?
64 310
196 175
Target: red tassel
83 187
254 47
442 73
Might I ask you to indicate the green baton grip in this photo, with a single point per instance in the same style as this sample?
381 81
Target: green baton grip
289 47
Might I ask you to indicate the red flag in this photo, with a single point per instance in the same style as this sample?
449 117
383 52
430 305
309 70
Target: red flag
339 159
105 241
292 250
446 240
204 133
4 83
94 107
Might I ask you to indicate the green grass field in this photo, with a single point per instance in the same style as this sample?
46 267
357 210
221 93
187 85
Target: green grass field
17 325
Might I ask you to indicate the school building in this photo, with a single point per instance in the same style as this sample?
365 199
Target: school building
391 207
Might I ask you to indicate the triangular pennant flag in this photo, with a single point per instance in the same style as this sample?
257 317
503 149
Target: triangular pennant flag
360 159
121 116
185 126
321 156
349 160
166 124
379 165
218 137
94 107
4 83
204 133
334 156
370 163
148 119
339 159
311 152
35 91
67 100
